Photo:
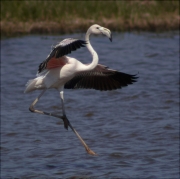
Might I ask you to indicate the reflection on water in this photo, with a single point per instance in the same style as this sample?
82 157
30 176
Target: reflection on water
134 130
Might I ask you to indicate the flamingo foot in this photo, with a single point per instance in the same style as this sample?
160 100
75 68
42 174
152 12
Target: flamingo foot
89 151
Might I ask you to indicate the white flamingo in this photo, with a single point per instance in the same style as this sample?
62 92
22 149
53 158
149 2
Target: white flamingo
60 71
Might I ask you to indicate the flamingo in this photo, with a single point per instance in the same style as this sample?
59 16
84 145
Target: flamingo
62 72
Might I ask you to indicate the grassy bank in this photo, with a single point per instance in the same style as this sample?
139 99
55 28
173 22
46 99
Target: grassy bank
54 17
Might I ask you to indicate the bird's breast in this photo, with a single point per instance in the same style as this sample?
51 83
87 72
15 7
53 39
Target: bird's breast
57 77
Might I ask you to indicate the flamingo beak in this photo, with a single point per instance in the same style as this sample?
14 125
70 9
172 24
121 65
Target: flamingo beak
106 32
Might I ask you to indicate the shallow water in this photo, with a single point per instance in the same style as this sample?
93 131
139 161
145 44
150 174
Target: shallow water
134 130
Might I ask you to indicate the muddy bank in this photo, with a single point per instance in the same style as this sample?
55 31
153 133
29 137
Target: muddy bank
48 27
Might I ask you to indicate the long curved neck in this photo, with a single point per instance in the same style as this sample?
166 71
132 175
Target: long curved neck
95 58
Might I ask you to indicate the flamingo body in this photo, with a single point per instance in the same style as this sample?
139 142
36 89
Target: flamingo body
60 71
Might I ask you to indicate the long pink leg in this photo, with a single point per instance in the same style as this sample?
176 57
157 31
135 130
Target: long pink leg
64 118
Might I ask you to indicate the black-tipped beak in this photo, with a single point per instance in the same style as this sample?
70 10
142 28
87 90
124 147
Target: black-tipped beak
110 38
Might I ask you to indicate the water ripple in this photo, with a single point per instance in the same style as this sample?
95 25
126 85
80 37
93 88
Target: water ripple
135 130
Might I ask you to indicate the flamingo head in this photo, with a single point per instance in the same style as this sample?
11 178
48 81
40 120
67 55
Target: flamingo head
97 29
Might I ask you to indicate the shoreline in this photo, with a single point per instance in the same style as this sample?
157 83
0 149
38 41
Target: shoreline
9 29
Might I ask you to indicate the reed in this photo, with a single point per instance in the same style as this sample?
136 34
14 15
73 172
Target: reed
22 17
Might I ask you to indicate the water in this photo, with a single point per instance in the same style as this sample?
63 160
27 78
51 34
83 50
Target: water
134 131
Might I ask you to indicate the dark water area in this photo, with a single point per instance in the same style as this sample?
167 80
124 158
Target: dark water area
134 130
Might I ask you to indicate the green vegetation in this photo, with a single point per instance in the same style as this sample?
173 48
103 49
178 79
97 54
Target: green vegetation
22 17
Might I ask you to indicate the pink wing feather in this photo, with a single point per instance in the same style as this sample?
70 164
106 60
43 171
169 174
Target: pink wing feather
56 62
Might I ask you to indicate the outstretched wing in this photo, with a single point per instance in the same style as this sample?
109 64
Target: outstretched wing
101 78
63 48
